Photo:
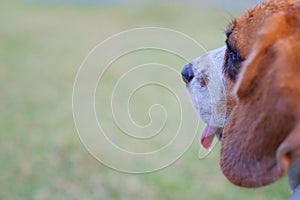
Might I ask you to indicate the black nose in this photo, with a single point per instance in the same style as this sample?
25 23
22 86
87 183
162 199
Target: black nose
187 73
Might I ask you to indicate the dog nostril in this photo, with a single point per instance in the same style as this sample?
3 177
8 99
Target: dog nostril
187 73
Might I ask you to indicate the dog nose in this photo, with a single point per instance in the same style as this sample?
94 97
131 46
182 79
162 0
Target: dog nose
187 73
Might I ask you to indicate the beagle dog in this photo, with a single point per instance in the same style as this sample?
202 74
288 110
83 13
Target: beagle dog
248 94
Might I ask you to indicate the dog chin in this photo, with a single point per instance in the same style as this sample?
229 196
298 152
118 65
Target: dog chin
204 116
204 111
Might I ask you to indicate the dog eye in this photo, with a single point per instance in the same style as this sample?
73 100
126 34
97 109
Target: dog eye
234 57
233 63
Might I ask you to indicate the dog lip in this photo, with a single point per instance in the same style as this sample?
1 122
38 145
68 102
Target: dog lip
219 132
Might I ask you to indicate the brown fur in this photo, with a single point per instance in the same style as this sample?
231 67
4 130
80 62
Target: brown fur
262 135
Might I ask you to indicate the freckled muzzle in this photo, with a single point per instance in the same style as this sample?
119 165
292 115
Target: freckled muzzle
205 85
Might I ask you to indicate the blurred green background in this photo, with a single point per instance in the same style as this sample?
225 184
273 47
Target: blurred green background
42 45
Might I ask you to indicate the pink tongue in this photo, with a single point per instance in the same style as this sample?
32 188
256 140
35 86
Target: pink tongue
208 136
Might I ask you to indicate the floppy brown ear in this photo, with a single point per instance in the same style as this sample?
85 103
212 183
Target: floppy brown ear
262 135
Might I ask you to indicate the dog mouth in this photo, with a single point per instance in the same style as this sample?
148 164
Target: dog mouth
208 135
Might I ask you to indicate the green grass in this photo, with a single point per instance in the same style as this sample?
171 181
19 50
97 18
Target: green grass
41 157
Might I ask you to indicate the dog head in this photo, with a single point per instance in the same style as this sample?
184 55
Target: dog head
258 70
262 135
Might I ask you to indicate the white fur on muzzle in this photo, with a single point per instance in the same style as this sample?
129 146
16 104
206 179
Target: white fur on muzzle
206 88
